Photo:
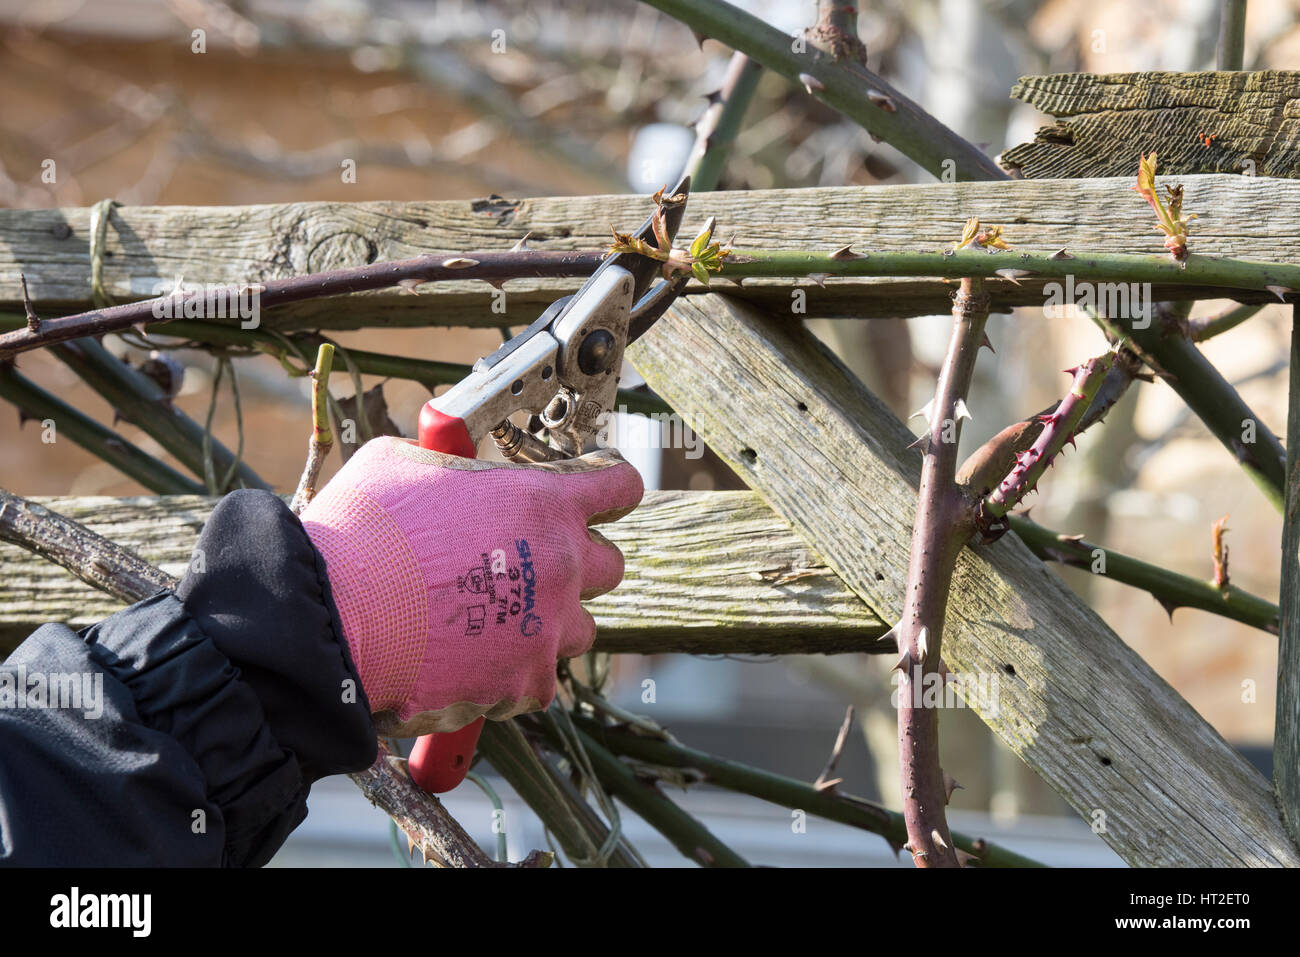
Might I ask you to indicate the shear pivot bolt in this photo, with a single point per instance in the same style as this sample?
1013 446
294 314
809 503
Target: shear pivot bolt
596 353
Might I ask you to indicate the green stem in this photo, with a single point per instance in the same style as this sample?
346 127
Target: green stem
1212 398
1169 588
715 132
101 442
142 402
1104 267
685 833
571 819
1232 35
845 86
783 791
1211 326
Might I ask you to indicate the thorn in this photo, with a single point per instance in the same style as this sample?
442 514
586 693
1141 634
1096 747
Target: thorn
961 412
949 785
1012 275
964 859
904 666
811 83
521 244
1071 538
847 253
923 645
988 344
459 262
713 98
924 412
409 286
699 38
1279 291
496 283
894 847
1060 254
881 100
33 320
891 635
922 442
1168 606
823 786
938 840
819 278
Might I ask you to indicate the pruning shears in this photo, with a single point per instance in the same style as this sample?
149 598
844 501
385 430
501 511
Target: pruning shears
563 370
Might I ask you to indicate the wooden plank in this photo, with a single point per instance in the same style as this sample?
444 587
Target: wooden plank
148 246
1104 120
707 573
1286 728
1065 692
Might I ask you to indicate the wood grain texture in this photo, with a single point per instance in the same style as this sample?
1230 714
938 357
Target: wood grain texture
1079 706
1244 217
707 573
1286 728
1105 120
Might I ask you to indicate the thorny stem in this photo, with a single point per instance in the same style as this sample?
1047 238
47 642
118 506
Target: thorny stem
1059 427
1165 347
102 442
1169 588
1016 265
498 266
322 438
495 266
846 86
944 523
783 791
715 131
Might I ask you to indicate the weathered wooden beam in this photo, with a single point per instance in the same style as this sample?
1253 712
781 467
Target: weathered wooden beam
149 247
1104 120
1063 690
707 573
1286 728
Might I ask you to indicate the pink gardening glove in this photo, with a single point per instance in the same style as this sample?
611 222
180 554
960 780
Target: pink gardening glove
458 581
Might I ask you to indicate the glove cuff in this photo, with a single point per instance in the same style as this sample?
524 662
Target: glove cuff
379 590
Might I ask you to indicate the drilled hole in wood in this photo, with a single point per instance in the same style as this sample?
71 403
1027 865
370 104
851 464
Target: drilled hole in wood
749 455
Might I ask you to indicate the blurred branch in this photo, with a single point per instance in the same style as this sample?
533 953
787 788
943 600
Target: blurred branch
34 402
846 86
715 131
1232 35
143 403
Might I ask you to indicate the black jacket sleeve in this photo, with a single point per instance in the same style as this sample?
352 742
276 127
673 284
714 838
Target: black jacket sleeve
188 728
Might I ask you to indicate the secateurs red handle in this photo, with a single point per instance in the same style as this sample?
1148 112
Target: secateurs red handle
439 762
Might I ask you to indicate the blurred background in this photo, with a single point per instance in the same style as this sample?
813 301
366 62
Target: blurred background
571 98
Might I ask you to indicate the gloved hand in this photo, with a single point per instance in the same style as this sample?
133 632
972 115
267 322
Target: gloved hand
458 580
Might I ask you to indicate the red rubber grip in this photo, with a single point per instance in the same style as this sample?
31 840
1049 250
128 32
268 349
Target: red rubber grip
445 433
439 762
